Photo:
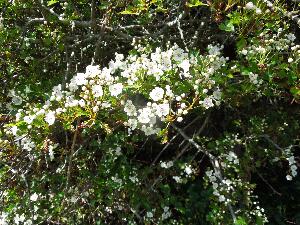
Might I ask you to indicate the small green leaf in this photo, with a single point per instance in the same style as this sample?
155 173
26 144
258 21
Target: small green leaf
227 26
128 12
195 3
52 2
295 91
241 43
240 221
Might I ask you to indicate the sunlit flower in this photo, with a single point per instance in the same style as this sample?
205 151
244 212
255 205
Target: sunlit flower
50 117
34 197
157 94
116 89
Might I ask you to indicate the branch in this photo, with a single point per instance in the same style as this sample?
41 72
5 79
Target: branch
93 15
270 186
213 159
172 139
196 134
71 153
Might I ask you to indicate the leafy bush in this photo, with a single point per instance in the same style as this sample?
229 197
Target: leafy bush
149 112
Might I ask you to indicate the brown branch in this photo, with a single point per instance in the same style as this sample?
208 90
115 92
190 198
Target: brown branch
270 186
71 153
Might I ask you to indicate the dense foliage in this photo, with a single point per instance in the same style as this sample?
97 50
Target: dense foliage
149 112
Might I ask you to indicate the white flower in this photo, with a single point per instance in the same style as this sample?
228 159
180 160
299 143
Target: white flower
97 91
291 37
253 78
169 91
179 119
16 100
221 198
290 60
14 130
166 214
149 130
250 6
73 199
28 119
294 173
149 214
217 94
162 110
258 11
34 197
188 170
207 102
3 220
291 160
130 108
185 65
80 79
116 89
118 151
215 185
157 94
51 152
244 51
145 115
50 117
177 179
18 218
132 123
289 177
166 165
81 102
92 71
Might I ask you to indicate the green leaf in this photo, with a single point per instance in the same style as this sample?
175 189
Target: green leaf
227 26
241 43
195 3
128 12
52 2
240 221
295 91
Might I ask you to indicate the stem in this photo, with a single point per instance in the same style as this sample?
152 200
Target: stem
71 154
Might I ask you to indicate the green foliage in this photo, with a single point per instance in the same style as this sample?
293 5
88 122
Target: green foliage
149 112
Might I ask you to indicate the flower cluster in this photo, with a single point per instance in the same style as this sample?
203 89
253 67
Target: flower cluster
292 163
251 6
96 89
270 43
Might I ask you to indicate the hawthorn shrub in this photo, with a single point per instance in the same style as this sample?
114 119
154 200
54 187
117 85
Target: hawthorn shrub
149 112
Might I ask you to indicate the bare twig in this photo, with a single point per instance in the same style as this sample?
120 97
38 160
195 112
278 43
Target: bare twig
172 139
214 162
93 14
196 134
270 186
71 154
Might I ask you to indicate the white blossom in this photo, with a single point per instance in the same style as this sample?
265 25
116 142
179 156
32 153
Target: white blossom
34 197
207 102
50 117
116 89
97 90
250 6
130 108
157 94
17 100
